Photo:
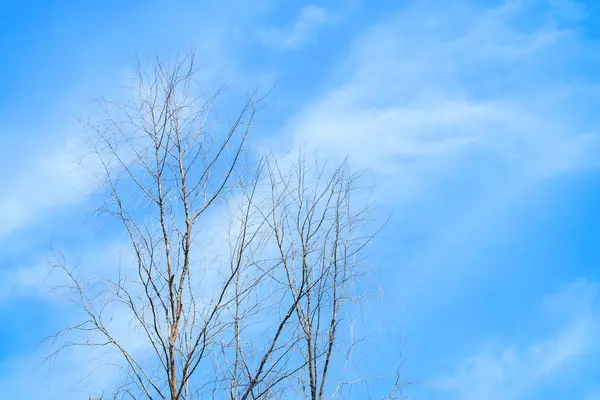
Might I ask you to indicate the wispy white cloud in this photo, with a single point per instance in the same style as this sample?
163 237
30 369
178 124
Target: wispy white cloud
42 182
436 84
461 107
515 371
42 172
299 32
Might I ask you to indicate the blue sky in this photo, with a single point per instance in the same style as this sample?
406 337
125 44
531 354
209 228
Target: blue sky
476 120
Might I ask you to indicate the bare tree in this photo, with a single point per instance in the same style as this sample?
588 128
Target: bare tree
261 312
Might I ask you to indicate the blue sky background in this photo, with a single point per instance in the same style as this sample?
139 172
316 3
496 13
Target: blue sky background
476 120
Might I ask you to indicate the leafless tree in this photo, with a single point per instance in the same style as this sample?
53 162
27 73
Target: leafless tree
257 308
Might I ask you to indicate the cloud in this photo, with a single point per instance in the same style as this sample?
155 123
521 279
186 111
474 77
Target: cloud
459 113
299 32
42 175
434 86
515 371
49 179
